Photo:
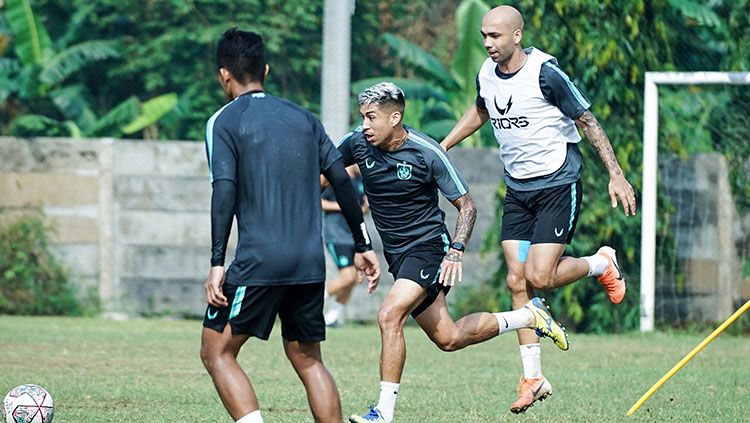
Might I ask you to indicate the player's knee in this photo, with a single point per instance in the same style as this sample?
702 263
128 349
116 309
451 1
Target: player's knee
390 318
448 343
301 361
516 282
207 358
539 279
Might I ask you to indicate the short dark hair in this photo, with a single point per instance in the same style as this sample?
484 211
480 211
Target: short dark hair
242 54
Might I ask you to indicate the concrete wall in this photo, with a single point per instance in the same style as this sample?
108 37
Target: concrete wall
131 218
64 180
704 283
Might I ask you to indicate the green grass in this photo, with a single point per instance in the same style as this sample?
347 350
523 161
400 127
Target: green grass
149 371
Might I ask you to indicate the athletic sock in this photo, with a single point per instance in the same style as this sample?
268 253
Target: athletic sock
253 417
531 360
387 402
517 319
334 311
598 264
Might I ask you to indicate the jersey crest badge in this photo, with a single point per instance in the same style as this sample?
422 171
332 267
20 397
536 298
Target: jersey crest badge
403 171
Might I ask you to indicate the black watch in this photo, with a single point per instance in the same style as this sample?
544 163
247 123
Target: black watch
458 246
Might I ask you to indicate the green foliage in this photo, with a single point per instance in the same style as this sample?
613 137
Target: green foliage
32 43
435 112
74 58
31 280
168 47
32 84
422 61
151 111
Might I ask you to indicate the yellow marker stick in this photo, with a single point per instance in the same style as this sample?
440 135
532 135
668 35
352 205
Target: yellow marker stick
688 357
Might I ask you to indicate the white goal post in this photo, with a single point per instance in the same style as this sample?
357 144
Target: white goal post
650 143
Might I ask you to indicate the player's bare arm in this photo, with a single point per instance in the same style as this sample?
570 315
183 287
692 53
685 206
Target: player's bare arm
352 170
619 187
329 206
473 119
324 182
452 268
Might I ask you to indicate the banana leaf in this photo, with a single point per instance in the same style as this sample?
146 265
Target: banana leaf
420 59
73 58
151 111
111 123
33 45
470 53
413 88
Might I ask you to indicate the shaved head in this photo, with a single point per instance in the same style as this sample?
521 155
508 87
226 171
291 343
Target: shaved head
502 30
506 17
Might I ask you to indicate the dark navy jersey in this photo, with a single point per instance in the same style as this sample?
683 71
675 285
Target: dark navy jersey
335 228
402 187
274 152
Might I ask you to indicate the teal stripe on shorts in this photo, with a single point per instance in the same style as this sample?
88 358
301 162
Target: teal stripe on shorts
237 303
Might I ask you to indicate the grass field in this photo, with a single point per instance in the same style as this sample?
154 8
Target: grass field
149 371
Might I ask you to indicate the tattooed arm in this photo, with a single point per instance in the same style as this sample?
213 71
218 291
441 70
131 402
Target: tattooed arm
618 185
451 270
467 216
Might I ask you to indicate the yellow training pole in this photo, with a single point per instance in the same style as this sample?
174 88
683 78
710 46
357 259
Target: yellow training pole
688 357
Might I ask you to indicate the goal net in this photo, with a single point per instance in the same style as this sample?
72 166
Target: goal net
695 235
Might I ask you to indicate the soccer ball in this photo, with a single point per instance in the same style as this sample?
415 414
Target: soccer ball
28 404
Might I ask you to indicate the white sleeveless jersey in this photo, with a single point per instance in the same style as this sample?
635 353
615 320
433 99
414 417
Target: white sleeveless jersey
532 133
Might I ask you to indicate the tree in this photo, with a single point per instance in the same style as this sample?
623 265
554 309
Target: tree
440 96
35 85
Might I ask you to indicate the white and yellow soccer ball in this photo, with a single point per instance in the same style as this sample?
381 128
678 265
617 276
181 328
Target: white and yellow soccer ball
28 404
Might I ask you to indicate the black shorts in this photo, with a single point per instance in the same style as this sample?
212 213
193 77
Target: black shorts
421 264
342 254
547 215
252 311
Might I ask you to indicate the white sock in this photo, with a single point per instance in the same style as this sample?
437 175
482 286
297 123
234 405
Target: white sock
387 402
531 360
334 311
253 417
516 319
598 264
326 295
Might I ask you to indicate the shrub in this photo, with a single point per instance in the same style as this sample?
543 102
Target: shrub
32 281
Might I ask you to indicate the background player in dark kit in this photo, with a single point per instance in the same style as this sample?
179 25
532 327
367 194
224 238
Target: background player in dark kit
338 240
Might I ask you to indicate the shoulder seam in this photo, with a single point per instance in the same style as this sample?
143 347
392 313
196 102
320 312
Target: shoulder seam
347 136
441 155
577 94
210 138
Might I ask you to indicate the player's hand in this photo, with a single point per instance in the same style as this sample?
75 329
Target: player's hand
368 264
213 287
451 271
619 187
